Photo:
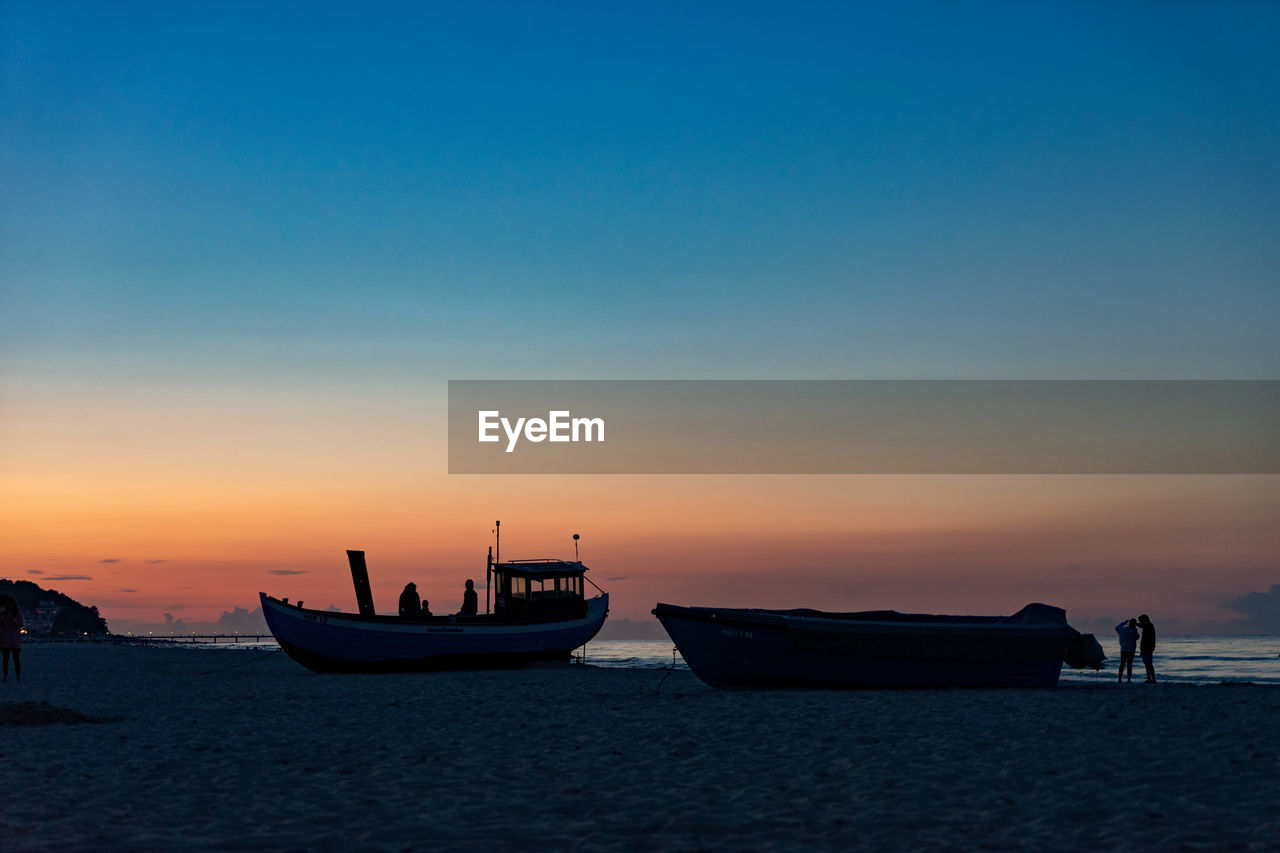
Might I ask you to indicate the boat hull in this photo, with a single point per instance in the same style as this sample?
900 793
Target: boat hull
346 642
729 648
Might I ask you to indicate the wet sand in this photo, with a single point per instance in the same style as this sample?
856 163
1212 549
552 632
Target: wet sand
196 752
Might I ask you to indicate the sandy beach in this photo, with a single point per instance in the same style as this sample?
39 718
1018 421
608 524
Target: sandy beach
193 751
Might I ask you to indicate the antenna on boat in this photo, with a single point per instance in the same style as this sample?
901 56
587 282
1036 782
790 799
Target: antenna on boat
575 548
495 554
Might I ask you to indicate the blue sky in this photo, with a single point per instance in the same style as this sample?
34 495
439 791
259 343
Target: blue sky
244 245
342 194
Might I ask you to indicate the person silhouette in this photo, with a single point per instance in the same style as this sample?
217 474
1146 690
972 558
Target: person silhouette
11 635
426 608
409 604
1148 646
1128 632
470 601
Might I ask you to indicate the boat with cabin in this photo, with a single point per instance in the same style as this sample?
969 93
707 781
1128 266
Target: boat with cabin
540 612
731 647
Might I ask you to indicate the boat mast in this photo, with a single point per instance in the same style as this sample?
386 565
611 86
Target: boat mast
495 554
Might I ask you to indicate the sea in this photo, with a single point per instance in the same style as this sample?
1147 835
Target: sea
1196 660
1191 660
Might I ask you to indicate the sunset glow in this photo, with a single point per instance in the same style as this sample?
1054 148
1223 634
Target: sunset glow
238 268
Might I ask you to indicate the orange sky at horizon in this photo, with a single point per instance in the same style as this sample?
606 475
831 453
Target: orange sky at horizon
199 497
196 547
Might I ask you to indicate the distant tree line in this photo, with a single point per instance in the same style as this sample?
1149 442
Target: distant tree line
73 619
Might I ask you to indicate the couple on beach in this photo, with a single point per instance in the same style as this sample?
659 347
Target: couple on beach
1129 644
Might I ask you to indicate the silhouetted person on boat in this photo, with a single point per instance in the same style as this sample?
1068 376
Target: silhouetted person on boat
1148 646
470 601
11 635
1128 632
409 603
426 608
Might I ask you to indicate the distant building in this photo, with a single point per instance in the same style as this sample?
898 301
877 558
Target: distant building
40 619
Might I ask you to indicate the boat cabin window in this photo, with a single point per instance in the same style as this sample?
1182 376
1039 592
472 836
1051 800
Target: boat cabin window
541 590
566 586
555 587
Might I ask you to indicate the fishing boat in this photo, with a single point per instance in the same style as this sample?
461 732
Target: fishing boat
728 647
539 613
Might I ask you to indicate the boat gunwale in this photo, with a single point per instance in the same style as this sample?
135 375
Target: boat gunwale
480 620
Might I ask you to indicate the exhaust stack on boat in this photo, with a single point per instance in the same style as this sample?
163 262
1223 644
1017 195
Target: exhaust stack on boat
360 577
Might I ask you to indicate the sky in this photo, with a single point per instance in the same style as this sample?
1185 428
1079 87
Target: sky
244 246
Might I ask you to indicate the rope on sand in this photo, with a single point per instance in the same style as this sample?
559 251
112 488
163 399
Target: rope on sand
670 669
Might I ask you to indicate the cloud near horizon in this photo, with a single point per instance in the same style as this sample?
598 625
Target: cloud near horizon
110 560
35 571
238 620
287 572
631 629
68 578
154 562
1261 609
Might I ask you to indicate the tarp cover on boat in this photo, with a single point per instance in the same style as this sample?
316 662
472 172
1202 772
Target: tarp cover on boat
880 648
1085 652
1032 614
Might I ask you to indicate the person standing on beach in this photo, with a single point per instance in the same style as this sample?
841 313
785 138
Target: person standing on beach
11 635
409 603
1128 632
470 601
1148 646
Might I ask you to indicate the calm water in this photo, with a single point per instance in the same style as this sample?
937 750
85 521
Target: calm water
1199 660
